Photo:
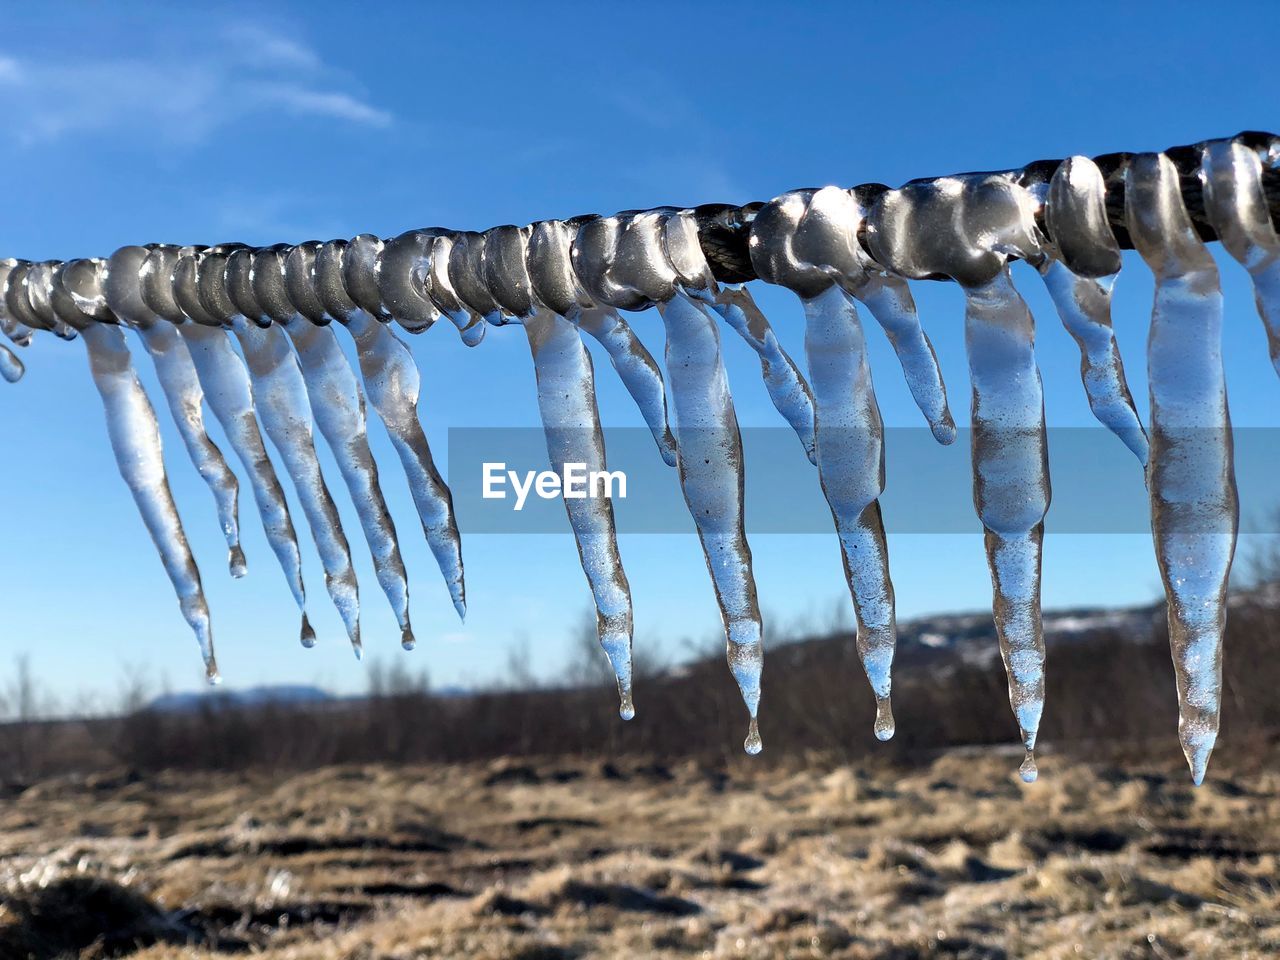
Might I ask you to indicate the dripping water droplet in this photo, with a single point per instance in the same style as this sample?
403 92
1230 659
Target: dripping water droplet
211 674
627 708
236 562
11 367
407 639
885 726
308 633
1029 771
753 744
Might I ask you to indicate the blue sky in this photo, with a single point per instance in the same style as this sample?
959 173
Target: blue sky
297 121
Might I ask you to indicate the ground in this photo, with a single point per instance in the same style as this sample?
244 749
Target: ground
951 857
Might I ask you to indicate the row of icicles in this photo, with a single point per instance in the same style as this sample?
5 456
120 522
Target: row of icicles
834 248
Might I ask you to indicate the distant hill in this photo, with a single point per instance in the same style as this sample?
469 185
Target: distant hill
934 642
285 694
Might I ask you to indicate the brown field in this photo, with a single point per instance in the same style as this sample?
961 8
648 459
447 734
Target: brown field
946 857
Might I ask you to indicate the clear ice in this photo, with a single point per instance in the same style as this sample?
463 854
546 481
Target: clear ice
1010 485
15 331
338 405
181 387
1194 508
182 392
804 241
1237 207
284 409
826 237
889 301
571 421
227 389
1075 207
785 384
636 368
394 384
562 279
851 469
11 367
135 439
710 466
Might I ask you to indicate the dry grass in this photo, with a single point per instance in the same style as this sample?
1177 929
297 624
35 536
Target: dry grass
565 858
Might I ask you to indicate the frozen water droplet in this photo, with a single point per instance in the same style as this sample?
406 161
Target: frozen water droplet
885 726
1028 771
11 367
753 744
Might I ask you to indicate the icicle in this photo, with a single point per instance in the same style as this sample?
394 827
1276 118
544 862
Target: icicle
510 257
393 382
181 386
966 228
787 389
637 370
1194 508
625 262
1237 207
1011 485
710 465
567 402
11 367
890 302
1075 210
548 261
182 393
848 427
135 441
283 407
135 438
226 387
783 381
851 469
826 236
338 405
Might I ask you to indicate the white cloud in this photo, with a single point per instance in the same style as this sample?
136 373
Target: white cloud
183 97
340 106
